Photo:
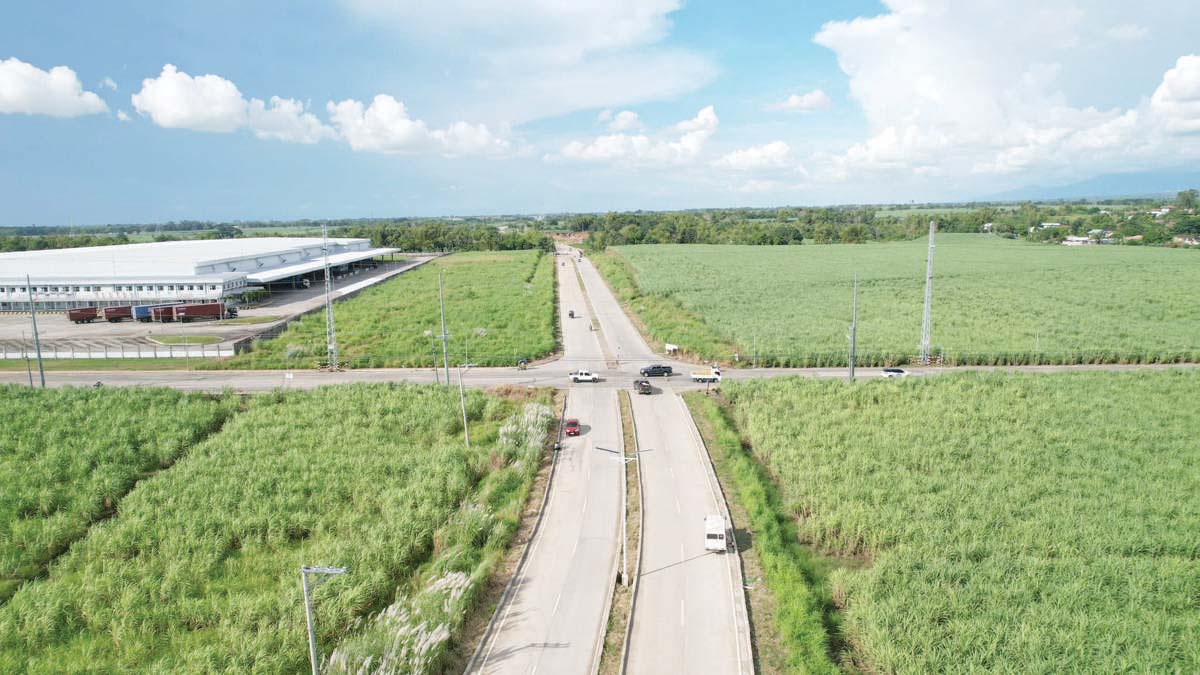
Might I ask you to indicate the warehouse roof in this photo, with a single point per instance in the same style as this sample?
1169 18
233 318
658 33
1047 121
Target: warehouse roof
168 258
316 264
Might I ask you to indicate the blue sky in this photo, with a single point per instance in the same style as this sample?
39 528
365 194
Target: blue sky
441 108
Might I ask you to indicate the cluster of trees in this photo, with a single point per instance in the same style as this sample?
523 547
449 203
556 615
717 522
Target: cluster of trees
43 242
443 235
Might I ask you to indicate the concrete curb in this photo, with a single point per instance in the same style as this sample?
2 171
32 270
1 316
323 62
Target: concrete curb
506 596
637 563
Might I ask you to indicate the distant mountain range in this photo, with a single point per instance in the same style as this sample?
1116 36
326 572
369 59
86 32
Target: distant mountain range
1144 184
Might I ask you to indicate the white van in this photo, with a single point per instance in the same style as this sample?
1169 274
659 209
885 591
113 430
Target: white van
714 533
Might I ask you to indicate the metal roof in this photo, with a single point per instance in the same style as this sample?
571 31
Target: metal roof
151 260
316 264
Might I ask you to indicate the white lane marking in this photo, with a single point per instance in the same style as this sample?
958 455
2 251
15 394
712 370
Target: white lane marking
554 611
672 470
573 548
585 501
677 508
681 554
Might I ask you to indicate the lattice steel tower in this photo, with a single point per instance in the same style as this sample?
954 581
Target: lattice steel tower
330 331
925 319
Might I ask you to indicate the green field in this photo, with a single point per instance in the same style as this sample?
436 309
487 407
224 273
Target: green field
68 456
199 569
995 301
988 522
499 308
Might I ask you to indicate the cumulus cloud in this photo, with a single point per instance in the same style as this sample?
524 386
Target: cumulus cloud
807 102
123 116
941 100
385 126
680 144
108 83
176 100
625 120
285 120
773 155
57 92
1177 99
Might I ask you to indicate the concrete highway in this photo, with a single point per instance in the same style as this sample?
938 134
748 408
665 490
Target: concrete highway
554 618
690 613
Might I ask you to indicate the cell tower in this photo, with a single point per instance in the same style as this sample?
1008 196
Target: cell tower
925 319
330 331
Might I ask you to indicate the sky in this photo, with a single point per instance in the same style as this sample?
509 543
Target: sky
147 111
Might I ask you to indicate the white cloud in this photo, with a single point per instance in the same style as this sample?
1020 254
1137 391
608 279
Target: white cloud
123 116
286 120
940 99
625 120
680 144
532 59
773 155
108 83
1177 99
1128 32
176 100
27 89
385 126
807 102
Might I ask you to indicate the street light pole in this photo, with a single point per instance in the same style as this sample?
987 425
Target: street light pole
325 573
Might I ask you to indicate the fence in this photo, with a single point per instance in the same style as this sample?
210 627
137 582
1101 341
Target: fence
124 351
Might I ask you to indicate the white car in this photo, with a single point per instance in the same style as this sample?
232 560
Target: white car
584 376
714 534
895 372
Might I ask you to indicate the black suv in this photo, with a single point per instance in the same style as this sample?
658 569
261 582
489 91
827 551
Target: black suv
651 371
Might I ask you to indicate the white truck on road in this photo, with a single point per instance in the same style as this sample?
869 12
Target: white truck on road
711 375
714 534
584 376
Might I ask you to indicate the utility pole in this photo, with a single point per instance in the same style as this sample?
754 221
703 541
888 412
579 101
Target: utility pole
445 349
330 331
37 343
462 400
853 326
925 320
325 573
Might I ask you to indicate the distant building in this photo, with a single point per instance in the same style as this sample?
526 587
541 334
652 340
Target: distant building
1072 240
1180 240
1135 237
987 227
171 271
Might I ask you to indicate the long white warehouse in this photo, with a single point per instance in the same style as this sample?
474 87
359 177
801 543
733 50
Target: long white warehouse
169 271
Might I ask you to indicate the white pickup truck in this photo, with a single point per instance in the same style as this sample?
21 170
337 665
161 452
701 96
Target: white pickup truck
711 375
584 376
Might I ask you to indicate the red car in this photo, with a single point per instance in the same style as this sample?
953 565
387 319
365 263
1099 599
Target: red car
572 427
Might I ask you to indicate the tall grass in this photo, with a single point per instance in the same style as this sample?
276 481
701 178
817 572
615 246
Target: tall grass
199 570
499 309
68 456
996 301
1018 523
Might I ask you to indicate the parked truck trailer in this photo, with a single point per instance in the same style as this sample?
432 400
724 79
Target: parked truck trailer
83 314
115 314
